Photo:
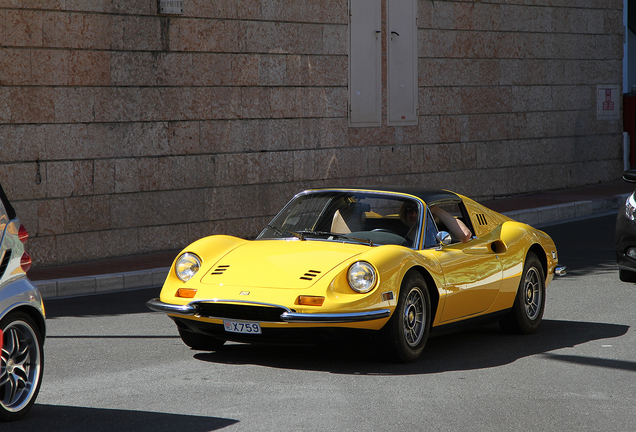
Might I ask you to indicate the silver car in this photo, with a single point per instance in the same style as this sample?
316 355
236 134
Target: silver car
22 324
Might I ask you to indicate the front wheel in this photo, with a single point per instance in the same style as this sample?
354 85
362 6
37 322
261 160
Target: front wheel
527 310
405 334
21 365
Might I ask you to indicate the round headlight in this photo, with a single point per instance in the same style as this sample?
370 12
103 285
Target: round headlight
630 207
362 277
187 266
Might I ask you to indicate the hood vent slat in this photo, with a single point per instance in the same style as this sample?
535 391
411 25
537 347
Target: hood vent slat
220 270
310 275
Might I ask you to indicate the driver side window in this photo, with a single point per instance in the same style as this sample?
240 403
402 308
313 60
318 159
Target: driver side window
449 217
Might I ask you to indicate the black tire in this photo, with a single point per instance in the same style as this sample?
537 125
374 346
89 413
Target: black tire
406 332
626 275
21 366
200 341
527 310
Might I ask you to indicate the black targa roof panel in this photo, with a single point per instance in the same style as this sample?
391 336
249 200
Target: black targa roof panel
429 196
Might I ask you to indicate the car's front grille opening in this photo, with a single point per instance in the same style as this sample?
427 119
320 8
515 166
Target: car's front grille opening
6 257
240 312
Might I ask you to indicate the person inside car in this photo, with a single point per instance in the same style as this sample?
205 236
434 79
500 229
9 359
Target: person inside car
457 229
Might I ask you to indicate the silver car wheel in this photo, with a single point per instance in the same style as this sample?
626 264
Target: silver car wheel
20 366
533 295
414 317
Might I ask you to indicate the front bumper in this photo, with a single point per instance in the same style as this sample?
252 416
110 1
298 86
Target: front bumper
250 311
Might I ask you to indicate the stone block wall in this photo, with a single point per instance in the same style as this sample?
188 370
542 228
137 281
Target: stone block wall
123 131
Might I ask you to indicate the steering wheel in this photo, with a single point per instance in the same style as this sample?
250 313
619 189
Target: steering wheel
384 231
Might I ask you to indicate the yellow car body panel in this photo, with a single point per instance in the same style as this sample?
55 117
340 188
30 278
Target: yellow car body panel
391 263
480 277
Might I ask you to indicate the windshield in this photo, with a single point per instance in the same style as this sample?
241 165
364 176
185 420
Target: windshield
366 218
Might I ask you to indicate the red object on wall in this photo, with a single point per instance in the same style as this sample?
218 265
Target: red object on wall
629 125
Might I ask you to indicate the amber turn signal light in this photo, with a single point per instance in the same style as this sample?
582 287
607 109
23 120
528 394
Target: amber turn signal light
186 292
310 300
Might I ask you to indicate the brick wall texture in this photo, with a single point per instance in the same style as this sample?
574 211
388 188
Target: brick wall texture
124 132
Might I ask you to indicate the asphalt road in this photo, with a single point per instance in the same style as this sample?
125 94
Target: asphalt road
112 365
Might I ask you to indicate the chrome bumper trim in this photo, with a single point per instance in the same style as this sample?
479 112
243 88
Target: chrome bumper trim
159 306
560 270
335 318
289 316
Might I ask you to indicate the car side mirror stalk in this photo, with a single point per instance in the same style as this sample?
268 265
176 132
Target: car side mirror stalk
443 238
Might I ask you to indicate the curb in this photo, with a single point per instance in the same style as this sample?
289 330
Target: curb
154 278
562 212
100 284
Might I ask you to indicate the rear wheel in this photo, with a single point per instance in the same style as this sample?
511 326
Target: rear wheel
21 365
527 310
406 332
200 341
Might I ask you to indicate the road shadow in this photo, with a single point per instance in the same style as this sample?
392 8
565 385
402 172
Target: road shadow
485 347
107 304
586 246
54 418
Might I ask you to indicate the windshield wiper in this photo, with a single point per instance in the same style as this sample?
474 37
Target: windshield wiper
282 232
348 237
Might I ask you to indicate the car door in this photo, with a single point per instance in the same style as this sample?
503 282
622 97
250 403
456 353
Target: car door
472 278
472 271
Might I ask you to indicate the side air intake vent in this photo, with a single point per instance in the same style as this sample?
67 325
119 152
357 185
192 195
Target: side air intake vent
481 218
310 275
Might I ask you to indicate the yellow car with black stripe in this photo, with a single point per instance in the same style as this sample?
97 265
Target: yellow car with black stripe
398 262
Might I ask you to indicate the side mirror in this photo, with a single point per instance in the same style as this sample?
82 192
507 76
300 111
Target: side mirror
443 238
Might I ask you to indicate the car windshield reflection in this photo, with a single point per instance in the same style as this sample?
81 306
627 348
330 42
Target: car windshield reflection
365 218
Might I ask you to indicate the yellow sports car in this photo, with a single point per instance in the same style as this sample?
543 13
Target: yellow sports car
397 261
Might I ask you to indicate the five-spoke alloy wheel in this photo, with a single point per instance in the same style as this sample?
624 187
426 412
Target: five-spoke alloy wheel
527 310
21 365
405 334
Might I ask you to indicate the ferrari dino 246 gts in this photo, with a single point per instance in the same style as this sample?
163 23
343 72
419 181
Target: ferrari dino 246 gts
397 261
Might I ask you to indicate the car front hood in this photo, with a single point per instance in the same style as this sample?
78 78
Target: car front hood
292 264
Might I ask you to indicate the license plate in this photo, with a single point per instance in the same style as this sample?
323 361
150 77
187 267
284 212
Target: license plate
242 327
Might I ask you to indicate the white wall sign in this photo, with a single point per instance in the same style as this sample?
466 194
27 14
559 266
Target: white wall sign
171 7
608 102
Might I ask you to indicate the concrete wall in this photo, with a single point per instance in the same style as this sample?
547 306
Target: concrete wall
122 131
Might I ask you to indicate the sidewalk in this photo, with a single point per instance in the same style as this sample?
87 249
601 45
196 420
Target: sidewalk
150 270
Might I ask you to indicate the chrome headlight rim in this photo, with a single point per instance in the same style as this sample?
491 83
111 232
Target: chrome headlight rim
186 266
362 277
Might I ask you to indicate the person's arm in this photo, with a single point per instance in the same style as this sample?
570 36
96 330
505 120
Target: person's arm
456 227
